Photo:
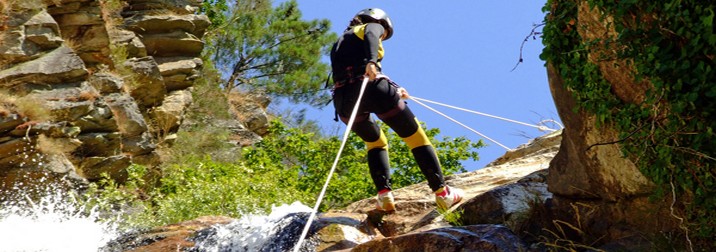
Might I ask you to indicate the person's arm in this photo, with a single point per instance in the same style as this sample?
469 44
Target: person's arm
372 37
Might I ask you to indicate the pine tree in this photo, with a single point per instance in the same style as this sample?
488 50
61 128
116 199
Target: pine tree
271 49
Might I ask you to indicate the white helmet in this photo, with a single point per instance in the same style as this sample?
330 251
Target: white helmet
380 16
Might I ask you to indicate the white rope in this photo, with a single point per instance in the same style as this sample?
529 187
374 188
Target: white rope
349 125
417 100
540 127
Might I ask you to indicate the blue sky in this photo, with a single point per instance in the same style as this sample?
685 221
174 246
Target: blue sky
460 53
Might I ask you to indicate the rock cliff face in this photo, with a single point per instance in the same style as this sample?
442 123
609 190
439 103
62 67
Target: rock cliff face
88 87
595 187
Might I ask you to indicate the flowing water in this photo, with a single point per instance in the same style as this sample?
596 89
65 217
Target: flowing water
56 222
279 231
52 223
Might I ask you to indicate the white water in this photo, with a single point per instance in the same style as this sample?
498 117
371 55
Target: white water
257 232
53 223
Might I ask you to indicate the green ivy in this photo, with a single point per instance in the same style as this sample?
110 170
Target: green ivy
672 45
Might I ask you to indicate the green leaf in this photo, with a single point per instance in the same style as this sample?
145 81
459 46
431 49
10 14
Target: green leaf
708 20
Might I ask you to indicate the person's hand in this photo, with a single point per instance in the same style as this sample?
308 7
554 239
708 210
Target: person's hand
371 71
403 93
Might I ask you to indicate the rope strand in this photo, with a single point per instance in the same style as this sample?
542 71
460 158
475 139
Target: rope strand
459 123
540 127
333 168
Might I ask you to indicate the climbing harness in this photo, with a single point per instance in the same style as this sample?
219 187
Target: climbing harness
349 125
539 127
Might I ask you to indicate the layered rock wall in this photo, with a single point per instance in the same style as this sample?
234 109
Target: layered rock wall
90 87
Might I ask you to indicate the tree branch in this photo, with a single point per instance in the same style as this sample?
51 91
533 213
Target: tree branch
261 65
619 140
308 33
532 34
269 74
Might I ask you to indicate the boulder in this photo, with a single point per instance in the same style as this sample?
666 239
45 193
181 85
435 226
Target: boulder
244 137
42 30
139 145
88 16
466 238
65 7
547 144
180 7
128 40
67 103
99 144
168 117
147 87
106 83
179 72
165 238
151 159
41 153
94 47
58 164
99 119
337 231
153 24
250 110
28 34
47 129
26 179
92 168
595 187
585 167
508 204
255 118
129 119
61 65
175 43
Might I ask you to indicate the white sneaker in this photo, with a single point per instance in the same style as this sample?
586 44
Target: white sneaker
447 197
386 203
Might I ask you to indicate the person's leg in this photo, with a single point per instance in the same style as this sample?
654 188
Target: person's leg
399 117
390 109
406 125
366 128
378 163
377 146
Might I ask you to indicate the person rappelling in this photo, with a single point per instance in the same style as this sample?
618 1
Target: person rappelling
355 56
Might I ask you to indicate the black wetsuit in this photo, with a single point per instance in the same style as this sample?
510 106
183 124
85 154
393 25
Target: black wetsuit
358 46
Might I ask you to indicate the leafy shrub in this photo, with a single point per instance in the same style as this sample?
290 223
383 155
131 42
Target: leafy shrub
288 165
309 158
